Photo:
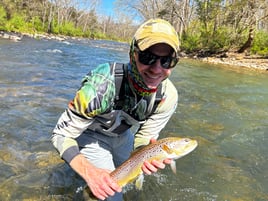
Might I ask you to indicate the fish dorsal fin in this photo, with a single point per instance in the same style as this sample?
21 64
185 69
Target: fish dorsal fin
167 149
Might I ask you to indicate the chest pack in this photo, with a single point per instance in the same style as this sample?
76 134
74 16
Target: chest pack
120 70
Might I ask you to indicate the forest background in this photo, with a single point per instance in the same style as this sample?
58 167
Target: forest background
205 27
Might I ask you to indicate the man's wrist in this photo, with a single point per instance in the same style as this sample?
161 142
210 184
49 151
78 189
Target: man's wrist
82 166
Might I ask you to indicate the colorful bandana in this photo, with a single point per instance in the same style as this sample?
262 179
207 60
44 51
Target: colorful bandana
135 79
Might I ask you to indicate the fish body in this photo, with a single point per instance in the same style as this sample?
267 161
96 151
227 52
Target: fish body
171 147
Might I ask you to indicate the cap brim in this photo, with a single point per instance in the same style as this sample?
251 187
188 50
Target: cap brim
148 42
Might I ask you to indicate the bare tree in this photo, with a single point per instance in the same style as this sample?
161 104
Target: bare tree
253 13
145 9
177 12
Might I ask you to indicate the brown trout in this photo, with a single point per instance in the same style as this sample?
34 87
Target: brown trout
171 147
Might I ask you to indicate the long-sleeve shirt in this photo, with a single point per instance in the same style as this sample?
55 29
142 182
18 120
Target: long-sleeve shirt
94 104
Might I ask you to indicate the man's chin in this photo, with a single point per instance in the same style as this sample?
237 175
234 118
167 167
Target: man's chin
152 86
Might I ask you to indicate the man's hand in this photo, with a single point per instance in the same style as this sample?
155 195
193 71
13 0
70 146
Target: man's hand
151 167
98 180
101 184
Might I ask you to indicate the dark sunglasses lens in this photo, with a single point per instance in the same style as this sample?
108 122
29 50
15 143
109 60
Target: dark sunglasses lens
147 58
172 62
165 62
168 62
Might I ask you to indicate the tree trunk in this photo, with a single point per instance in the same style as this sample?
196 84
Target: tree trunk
248 43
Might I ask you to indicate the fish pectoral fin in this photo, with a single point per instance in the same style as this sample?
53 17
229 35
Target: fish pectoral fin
173 166
139 181
167 149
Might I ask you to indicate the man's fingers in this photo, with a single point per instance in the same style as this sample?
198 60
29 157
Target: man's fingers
149 168
152 140
168 161
103 191
104 186
113 185
158 164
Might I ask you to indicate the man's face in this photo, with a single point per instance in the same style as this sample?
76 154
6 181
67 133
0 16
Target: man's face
154 74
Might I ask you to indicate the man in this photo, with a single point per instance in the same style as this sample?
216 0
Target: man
105 121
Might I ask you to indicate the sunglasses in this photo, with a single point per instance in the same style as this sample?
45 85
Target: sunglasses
148 58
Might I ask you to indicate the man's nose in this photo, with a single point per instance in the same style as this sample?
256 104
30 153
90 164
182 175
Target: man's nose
157 66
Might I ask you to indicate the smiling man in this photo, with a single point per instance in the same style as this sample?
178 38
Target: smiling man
114 113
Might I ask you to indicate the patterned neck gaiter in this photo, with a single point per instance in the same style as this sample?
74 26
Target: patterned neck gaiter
135 78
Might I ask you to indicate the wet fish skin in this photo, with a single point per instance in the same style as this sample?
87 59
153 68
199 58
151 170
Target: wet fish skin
171 147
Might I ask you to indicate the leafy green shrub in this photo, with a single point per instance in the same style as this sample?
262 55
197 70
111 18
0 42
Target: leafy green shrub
260 44
17 23
209 40
190 43
55 29
36 24
216 40
3 20
220 39
67 29
98 35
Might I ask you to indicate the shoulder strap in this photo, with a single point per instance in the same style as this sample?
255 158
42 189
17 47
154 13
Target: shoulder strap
118 75
158 97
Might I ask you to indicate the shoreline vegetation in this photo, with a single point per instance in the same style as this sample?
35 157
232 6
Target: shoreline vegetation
229 59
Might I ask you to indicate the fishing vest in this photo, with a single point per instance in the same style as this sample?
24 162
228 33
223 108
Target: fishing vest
127 111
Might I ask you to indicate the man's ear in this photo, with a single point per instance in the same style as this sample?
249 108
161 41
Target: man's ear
131 56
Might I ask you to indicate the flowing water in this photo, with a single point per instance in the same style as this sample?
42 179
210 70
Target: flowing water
225 110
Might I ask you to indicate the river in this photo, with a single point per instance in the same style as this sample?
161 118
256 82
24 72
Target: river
226 111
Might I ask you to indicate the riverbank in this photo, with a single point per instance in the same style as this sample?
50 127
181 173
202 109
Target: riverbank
17 37
240 61
229 59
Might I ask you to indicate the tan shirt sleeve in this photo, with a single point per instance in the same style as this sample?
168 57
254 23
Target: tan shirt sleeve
69 127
